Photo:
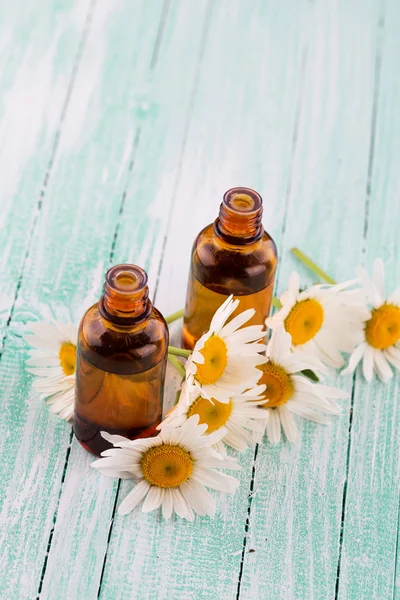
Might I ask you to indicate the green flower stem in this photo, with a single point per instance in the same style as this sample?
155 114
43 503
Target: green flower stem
177 364
175 316
179 351
276 302
312 266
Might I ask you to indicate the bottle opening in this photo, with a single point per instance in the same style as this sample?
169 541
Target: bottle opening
242 200
126 279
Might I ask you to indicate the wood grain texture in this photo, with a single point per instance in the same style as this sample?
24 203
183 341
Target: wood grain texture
70 250
370 529
140 114
296 512
38 73
36 77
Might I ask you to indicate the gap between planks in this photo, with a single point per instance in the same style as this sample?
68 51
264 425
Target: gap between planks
374 115
64 109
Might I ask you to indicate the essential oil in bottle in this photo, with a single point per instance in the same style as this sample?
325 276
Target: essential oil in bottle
121 361
233 255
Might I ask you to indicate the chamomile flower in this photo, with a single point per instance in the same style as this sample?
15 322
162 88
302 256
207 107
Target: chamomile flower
321 320
224 360
53 361
241 416
288 392
379 334
173 469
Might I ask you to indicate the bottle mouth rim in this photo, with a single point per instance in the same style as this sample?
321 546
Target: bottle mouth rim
242 201
126 279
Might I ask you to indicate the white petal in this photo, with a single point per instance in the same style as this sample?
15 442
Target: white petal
134 497
355 358
198 498
215 480
394 297
378 278
288 424
223 313
393 356
46 371
273 426
237 322
382 368
167 504
248 334
329 391
368 363
294 283
62 404
153 499
306 413
46 345
369 287
113 439
330 354
279 344
180 506
43 361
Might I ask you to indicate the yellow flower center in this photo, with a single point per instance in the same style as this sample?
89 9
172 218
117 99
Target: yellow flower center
304 321
382 330
166 466
215 355
214 415
279 385
67 357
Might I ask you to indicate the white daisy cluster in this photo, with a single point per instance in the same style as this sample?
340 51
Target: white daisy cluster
325 321
236 386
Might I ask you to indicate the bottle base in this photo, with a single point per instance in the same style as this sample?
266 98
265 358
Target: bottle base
89 435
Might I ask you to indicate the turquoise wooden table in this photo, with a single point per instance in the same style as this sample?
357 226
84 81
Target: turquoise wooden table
121 125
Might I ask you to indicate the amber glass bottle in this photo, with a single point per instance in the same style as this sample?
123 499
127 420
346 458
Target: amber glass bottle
121 361
234 255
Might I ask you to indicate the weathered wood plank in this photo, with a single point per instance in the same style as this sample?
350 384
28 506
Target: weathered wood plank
36 76
70 251
75 562
240 133
293 546
370 530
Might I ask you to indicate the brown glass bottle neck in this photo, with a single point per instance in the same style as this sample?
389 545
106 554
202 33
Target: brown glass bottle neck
241 228
129 310
126 295
240 216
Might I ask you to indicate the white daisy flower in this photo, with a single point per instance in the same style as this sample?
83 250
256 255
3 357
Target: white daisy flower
288 392
53 361
224 360
379 332
241 416
173 469
321 320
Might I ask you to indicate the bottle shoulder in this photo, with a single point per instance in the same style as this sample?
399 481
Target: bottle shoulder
117 348
215 260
